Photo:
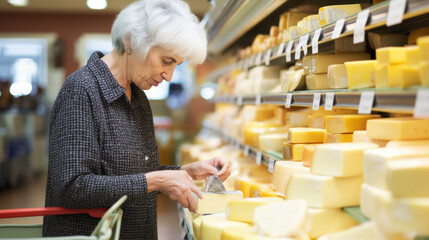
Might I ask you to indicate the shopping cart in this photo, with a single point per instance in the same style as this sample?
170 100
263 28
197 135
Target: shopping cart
107 229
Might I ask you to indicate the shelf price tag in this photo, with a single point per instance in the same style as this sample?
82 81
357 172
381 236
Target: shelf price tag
271 164
298 50
281 48
267 57
395 13
315 41
329 101
258 100
316 101
259 58
359 29
366 102
304 41
258 158
239 100
246 150
338 29
237 144
421 107
288 100
289 50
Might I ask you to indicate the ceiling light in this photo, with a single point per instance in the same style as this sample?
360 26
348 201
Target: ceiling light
18 3
96 4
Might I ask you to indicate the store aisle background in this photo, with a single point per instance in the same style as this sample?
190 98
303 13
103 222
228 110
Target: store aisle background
32 194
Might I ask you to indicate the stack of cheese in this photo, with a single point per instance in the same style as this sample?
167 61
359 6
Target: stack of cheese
340 128
423 44
298 138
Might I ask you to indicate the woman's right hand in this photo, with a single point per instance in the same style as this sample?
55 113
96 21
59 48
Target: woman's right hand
176 184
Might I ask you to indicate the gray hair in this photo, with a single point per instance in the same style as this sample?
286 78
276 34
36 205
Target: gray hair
168 24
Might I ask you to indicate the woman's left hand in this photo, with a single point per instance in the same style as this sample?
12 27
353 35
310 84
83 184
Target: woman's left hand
201 170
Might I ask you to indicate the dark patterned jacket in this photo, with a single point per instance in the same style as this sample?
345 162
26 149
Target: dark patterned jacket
100 147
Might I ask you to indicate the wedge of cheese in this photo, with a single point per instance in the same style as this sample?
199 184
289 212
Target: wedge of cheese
281 219
347 123
360 73
338 137
290 18
415 143
212 226
293 151
242 210
308 153
391 55
317 81
398 128
423 43
325 191
361 137
272 142
283 170
340 159
297 80
319 63
267 191
306 135
330 14
424 73
408 177
375 160
324 221
371 199
216 202
196 226
337 76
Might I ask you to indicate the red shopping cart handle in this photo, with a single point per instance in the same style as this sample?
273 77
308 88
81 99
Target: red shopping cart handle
46 211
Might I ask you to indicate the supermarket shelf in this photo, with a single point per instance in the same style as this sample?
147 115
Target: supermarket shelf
385 100
416 15
266 158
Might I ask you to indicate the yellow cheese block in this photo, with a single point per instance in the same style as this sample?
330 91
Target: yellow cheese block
257 113
340 159
360 73
374 162
390 55
216 202
302 27
308 153
283 170
424 73
298 118
196 226
317 81
297 80
324 221
272 142
274 31
409 76
316 121
361 137
338 137
325 191
319 63
388 75
371 199
413 55
330 14
409 177
398 128
290 18
242 210
254 186
306 135
415 143
423 43
347 123
415 34
281 219
337 76
212 226
406 215
252 133
293 151
267 191
244 184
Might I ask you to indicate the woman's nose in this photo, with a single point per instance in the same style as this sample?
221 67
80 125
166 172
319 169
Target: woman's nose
166 76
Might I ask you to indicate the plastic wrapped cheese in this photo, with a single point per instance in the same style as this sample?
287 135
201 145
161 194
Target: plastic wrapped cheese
330 14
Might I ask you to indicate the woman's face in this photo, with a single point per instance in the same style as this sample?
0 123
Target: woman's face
158 66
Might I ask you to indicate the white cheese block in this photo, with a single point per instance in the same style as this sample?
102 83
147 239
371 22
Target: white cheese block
374 162
281 219
242 210
340 159
323 221
283 170
330 14
212 226
360 136
337 76
368 231
371 199
411 143
272 142
408 177
216 202
325 191
298 118
265 72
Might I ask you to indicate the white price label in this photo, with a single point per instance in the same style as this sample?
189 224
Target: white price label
237 144
316 101
281 48
252 60
259 58
246 150
395 12
366 102
315 41
271 165
246 64
359 29
289 50
304 41
329 101
421 107
258 100
338 29
288 100
258 158
239 100
267 57
298 51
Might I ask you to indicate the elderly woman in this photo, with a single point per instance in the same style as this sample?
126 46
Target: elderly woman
102 143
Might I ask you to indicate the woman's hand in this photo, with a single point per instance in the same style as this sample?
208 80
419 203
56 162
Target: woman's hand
177 185
201 170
